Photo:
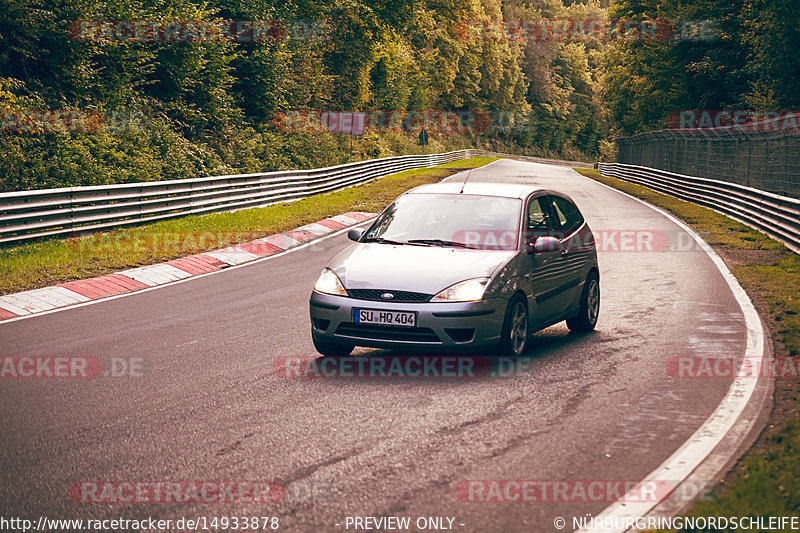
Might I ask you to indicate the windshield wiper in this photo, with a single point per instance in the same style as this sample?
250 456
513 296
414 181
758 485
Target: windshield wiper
381 240
440 242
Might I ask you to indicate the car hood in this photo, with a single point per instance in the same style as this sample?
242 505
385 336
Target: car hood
425 269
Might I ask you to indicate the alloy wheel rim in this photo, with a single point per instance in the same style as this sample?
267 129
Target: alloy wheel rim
593 307
519 328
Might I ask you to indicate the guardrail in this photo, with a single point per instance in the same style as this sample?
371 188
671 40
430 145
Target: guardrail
777 216
26 215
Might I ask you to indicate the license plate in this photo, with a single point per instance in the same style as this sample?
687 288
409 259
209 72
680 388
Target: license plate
387 318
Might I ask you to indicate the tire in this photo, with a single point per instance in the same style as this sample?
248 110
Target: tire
332 349
514 337
586 319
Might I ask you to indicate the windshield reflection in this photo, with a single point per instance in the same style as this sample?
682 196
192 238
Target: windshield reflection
449 220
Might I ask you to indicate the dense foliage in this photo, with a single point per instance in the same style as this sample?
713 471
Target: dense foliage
192 107
745 59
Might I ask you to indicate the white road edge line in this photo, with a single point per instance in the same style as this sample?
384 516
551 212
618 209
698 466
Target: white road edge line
700 445
192 278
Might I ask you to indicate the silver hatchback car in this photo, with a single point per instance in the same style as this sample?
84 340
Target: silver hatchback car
460 266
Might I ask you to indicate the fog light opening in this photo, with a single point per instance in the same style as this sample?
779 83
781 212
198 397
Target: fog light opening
461 334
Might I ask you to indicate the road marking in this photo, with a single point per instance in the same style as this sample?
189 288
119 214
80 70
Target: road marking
316 229
15 305
155 274
344 219
284 242
232 255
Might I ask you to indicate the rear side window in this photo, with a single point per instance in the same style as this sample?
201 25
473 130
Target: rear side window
568 216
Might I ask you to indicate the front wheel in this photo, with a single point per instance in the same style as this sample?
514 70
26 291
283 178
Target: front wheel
332 349
586 319
514 338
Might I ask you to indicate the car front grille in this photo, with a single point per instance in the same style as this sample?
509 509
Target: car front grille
387 333
376 295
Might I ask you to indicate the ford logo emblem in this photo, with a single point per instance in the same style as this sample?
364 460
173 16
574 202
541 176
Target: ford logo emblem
387 295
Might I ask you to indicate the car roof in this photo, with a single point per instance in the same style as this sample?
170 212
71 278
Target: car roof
482 188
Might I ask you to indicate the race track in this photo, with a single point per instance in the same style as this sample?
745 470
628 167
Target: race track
209 405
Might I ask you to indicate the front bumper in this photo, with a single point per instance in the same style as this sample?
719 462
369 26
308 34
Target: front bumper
452 325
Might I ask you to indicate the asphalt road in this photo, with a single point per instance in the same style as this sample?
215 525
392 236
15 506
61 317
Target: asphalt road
208 404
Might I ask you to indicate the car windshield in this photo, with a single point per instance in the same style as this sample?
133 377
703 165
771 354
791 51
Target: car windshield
449 220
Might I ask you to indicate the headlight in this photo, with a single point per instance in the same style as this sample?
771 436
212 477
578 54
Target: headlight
465 291
329 283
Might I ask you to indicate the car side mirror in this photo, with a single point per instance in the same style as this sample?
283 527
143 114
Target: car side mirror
355 234
546 244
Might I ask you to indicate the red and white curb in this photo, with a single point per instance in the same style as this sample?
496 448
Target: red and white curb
75 292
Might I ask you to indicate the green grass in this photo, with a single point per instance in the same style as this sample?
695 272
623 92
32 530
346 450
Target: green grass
46 262
779 286
766 482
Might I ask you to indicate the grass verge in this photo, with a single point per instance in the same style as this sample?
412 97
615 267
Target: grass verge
766 481
46 262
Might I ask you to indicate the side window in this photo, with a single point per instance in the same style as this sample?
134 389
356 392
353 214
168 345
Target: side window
539 218
569 218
